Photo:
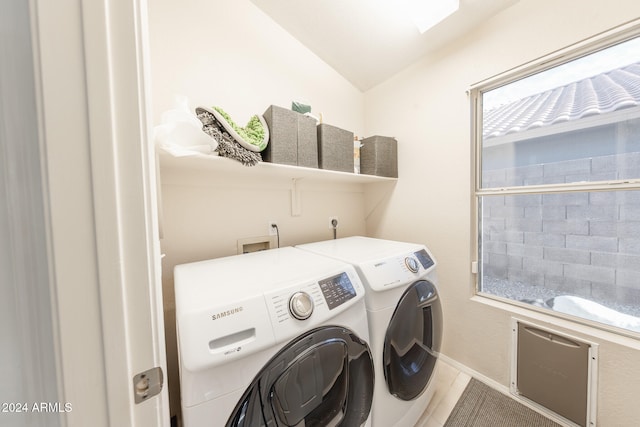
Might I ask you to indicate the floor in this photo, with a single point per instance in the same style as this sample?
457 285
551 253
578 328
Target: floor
450 383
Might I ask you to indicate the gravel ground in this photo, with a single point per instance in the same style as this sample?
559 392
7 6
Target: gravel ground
520 291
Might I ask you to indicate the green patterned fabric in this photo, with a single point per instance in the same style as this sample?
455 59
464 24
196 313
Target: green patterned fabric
227 146
253 132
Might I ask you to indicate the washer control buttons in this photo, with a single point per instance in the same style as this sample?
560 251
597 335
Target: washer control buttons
301 305
411 264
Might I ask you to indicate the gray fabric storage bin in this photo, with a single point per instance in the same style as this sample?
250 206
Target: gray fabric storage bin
292 138
335 148
379 156
307 142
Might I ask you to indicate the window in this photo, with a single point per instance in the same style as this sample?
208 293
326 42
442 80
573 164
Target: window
557 183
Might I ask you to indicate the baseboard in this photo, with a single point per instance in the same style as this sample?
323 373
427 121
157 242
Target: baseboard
503 389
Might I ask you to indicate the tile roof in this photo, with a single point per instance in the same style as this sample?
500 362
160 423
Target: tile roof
600 94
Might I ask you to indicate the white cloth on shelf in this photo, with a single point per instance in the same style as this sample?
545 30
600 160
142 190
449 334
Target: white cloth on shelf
180 132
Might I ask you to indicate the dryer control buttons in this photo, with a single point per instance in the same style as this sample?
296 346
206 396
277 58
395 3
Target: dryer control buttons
301 305
411 264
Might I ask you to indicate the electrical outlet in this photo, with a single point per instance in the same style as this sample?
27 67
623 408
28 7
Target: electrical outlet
331 222
272 230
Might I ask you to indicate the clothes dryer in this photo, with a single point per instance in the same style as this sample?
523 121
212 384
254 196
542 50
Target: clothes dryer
273 338
405 321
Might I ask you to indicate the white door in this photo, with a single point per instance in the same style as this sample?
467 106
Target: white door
98 180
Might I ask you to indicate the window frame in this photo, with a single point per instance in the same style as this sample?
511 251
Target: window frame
577 50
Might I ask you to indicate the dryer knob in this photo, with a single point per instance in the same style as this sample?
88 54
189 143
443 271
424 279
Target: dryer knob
412 264
301 305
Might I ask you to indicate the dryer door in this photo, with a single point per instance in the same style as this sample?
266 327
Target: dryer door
322 378
412 341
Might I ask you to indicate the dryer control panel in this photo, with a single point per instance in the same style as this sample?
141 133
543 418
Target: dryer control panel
391 272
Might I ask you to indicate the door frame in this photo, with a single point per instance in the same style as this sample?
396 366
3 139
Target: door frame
99 171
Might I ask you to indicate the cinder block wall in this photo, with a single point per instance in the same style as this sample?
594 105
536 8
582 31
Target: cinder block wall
584 244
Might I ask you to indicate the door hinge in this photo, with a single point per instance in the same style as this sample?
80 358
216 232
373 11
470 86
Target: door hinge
147 384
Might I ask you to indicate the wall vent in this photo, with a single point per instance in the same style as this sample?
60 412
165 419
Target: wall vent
555 372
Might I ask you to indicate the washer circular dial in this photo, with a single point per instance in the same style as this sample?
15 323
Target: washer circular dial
411 264
301 305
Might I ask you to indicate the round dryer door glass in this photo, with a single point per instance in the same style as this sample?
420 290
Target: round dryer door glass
322 378
412 341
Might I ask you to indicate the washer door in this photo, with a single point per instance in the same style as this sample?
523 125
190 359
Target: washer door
322 378
412 341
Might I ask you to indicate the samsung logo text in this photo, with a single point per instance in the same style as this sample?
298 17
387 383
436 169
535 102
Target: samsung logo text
226 313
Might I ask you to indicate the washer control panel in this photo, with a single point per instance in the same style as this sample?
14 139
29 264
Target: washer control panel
337 290
298 307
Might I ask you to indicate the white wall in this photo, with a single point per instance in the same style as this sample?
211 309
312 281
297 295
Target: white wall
427 108
230 54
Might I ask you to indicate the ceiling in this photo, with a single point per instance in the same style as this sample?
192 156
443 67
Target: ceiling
368 41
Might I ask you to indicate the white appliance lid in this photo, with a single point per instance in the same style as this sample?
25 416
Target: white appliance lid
239 277
359 249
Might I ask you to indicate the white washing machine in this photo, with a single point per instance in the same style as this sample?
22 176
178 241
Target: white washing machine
405 321
273 338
